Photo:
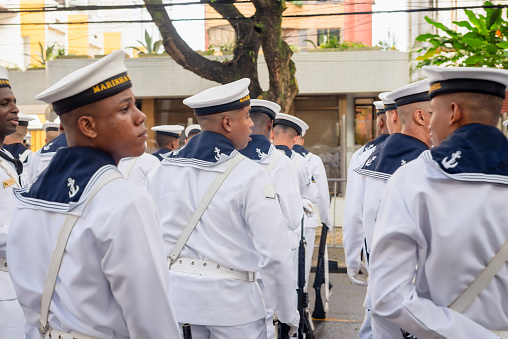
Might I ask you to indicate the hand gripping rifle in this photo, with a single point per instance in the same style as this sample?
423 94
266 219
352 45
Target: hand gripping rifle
303 300
319 309
281 329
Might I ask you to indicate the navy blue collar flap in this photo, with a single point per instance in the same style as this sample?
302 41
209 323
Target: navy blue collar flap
397 150
474 152
16 149
285 149
159 153
68 174
257 147
300 150
55 144
375 142
206 149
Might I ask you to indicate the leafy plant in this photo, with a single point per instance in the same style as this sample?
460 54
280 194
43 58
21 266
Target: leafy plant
50 53
350 44
147 47
331 42
485 43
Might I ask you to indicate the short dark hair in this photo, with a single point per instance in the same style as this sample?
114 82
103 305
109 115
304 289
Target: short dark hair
279 128
163 141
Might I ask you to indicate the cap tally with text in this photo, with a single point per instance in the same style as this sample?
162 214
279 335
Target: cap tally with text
99 80
264 106
23 119
51 126
192 129
387 103
445 80
290 120
221 98
169 130
4 77
380 108
414 92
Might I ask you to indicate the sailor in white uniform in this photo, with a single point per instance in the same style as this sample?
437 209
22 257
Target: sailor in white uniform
12 321
52 129
214 254
94 265
283 177
413 111
191 131
40 160
14 143
167 138
353 236
137 169
442 219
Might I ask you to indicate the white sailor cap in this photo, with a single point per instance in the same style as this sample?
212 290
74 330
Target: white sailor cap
23 119
194 128
264 106
505 122
101 79
444 80
414 92
221 98
170 130
27 137
380 108
387 103
4 77
290 120
49 126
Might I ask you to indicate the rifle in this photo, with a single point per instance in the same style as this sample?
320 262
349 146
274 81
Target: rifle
305 326
281 329
319 309
186 331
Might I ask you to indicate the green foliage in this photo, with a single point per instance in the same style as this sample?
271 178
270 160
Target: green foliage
51 53
147 47
350 44
331 42
484 45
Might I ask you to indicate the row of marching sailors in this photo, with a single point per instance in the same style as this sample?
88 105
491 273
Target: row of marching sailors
88 250
426 201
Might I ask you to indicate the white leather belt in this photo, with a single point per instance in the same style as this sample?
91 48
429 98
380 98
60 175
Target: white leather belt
54 334
3 264
208 267
502 334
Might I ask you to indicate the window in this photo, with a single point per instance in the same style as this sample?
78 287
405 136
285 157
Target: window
364 120
323 35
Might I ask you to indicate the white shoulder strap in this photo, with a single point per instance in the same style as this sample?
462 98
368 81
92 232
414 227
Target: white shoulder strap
298 163
24 155
466 298
203 204
11 172
307 157
130 166
56 259
273 161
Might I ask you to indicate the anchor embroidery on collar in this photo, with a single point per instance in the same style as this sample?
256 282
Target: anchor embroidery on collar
217 152
48 146
403 162
73 190
369 162
260 154
452 163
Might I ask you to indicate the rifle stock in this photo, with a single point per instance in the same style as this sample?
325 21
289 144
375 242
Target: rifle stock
304 327
319 309
186 331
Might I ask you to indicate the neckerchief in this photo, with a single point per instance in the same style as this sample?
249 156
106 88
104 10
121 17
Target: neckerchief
16 150
397 150
285 149
258 148
205 149
55 144
473 152
70 174
300 150
375 142
5 154
159 153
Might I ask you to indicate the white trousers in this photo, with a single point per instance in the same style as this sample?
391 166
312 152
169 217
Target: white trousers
253 330
310 238
12 320
366 329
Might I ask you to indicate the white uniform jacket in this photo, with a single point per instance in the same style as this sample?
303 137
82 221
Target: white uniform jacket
352 231
242 229
9 180
40 160
441 220
113 282
283 177
137 169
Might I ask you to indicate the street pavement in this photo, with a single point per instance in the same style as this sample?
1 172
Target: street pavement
345 314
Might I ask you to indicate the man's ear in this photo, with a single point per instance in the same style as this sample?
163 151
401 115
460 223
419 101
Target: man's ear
419 117
226 123
295 139
456 113
87 126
